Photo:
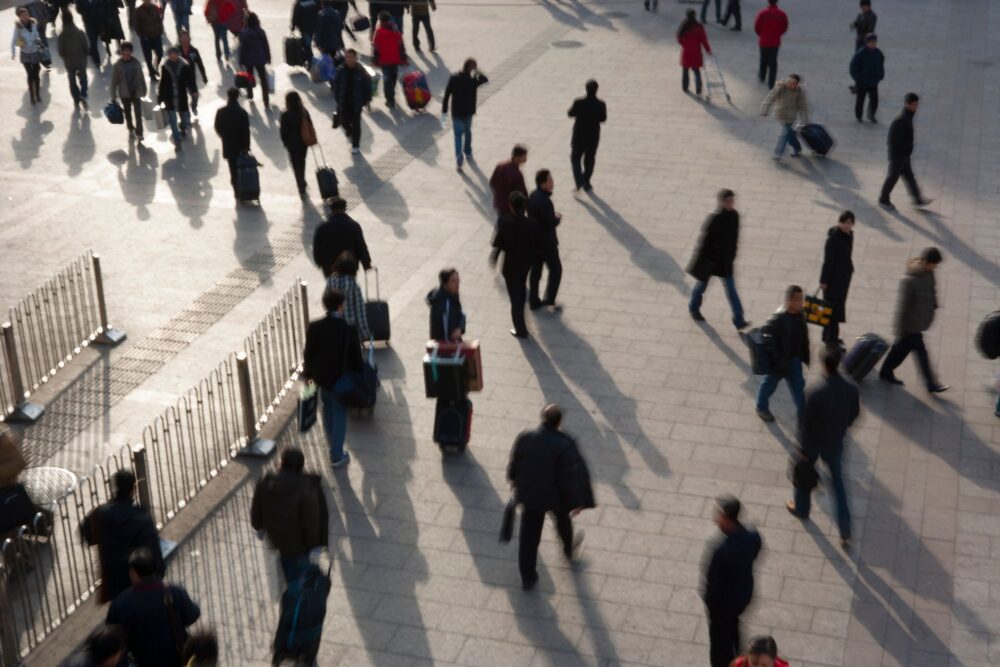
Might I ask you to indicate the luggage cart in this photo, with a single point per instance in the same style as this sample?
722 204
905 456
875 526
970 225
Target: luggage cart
714 79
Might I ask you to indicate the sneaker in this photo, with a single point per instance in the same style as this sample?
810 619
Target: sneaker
518 334
939 388
696 316
341 462
588 187
924 201
576 548
765 415
886 205
890 378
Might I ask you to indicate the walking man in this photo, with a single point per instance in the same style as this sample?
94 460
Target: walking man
704 11
914 315
305 16
835 276
352 88
789 100
864 24
74 49
733 10
147 21
328 25
867 70
716 256
547 474
831 408
232 124
541 209
770 25
507 178
728 582
341 233
176 80
420 11
790 344
461 91
518 238
128 84
900 149
589 112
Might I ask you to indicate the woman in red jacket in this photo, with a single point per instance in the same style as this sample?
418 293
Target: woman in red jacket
691 36
388 53
762 652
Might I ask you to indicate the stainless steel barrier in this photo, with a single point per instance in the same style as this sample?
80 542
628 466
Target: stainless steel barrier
47 328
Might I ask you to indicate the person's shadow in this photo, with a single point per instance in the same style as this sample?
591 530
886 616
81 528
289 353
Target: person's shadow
138 178
189 176
28 146
79 147
252 228
265 133
381 197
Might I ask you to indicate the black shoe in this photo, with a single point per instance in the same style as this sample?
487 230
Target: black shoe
872 119
588 187
518 334
858 118
529 584
696 316
790 506
745 324
535 306
736 29
765 415
853 89
890 378
938 388
887 205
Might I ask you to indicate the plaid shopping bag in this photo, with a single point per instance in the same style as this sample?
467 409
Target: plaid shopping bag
817 311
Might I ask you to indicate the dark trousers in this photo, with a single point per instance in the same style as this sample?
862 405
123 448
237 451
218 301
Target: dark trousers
859 101
133 114
733 10
550 258
899 168
697 79
901 348
298 160
260 73
833 458
232 172
151 45
77 84
723 637
426 20
292 566
768 65
33 70
350 121
517 290
587 155
531 535
838 302
389 75
718 10
93 36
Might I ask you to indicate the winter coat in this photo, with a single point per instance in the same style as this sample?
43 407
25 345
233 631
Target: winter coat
28 38
305 14
589 113
782 327
118 528
446 314
360 84
11 462
89 11
329 35
127 79
831 408
917 300
237 19
193 56
290 129
518 237
868 67
142 611
770 24
232 124
743 661
728 586
716 251
541 209
461 91
837 268
900 138
74 47
506 178
387 47
548 473
333 237
254 49
176 81
864 25
147 19
692 42
422 7
291 508
788 104
332 349
110 23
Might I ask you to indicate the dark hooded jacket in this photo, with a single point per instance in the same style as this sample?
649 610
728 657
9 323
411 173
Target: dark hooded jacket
291 508
716 252
837 268
729 582
118 528
446 314
917 300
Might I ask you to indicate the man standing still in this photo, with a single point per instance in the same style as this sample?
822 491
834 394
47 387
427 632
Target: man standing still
900 142
589 113
728 584
541 209
835 276
790 341
461 92
518 238
507 178
548 474
770 25
831 408
232 124
716 256
867 70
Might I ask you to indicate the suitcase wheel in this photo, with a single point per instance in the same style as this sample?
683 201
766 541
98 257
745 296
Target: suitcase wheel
452 450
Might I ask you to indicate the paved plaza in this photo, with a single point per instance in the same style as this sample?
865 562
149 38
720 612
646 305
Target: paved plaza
662 407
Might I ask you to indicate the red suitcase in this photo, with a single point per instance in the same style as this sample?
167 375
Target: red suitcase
418 93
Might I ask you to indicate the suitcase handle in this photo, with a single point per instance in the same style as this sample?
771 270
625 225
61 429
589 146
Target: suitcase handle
378 288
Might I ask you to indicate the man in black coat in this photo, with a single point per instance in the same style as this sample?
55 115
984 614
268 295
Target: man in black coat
518 238
352 89
232 124
900 149
541 209
589 113
305 16
867 70
461 92
329 29
548 474
716 256
117 528
728 583
338 234
831 408
790 351
835 276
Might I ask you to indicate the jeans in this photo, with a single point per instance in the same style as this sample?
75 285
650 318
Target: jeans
221 37
833 458
718 10
151 45
291 566
298 160
796 386
859 101
79 92
531 535
550 258
697 79
517 290
426 20
899 168
901 348
733 9
734 298
182 13
132 107
389 75
588 155
768 65
723 637
175 128
786 137
462 126
334 423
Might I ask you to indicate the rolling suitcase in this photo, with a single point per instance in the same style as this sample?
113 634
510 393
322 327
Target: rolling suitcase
295 51
326 178
759 344
416 90
446 378
865 353
453 424
817 138
377 312
303 610
247 178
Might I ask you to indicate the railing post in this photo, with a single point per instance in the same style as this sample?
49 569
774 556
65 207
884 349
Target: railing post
255 446
9 652
141 469
23 411
304 297
108 336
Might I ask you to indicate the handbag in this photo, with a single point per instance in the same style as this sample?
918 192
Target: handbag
160 118
361 22
245 79
817 311
308 404
507 523
308 131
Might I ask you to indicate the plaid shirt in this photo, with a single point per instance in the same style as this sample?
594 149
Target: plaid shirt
354 302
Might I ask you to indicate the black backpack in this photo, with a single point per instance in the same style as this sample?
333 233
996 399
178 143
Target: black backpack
988 336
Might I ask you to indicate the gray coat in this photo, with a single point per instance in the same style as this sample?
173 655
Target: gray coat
917 300
788 104
128 80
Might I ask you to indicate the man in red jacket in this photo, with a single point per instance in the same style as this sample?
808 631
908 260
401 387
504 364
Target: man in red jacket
507 178
388 53
770 25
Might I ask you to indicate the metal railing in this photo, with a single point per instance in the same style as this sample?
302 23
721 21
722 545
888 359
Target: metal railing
44 579
47 328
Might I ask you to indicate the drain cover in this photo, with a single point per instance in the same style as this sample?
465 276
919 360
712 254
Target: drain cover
615 15
567 44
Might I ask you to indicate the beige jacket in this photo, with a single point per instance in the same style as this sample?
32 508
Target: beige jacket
788 104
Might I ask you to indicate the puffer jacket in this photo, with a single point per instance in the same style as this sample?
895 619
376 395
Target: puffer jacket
788 104
868 67
917 299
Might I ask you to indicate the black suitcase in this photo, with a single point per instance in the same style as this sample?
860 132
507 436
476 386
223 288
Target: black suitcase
865 353
817 138
247 178
377 312
453 424
295 51
760 346
303 610
326 179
